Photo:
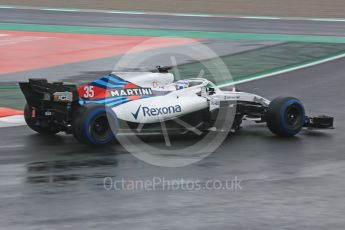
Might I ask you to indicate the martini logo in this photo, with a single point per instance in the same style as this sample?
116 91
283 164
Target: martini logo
152 112
131 92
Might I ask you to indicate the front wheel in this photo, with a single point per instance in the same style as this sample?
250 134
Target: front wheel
92 124
285 116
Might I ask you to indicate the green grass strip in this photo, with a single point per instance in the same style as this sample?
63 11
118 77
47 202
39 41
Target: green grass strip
170 33
9 87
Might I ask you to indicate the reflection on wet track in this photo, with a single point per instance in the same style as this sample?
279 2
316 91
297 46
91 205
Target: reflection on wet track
55 182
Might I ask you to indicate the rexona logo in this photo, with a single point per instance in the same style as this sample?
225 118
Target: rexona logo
131 92
151 112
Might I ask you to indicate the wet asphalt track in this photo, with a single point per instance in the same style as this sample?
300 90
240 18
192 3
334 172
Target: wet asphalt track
297 183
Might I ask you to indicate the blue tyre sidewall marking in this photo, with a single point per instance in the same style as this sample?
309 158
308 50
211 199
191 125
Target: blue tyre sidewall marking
286 105
93 115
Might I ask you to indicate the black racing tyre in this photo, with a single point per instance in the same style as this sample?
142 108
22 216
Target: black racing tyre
36 126
236 125
92 124
285 116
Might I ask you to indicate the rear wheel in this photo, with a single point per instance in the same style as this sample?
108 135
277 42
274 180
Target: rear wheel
41 127
285 116
91 124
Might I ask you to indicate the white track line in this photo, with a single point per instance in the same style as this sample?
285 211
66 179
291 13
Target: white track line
302 66
11 146
10 121
173 14
63 10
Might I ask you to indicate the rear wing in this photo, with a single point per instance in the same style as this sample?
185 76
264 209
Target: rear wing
39 91
50 104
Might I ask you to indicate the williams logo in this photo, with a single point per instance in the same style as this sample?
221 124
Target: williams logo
149 112
131 92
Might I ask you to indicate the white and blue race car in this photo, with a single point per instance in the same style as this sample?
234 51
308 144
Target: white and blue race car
94 113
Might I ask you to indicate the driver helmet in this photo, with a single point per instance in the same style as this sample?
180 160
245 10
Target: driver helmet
182 84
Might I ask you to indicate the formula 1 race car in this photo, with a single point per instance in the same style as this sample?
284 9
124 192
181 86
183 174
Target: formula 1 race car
95 112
